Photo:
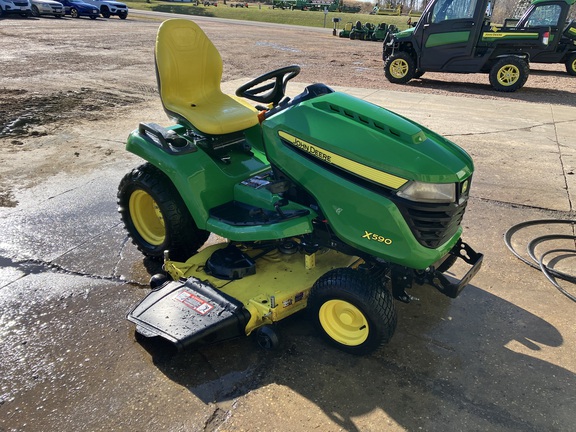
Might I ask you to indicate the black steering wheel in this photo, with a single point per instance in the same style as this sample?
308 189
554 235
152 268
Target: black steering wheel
275 91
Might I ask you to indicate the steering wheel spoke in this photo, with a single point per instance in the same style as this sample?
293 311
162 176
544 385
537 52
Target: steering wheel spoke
272 92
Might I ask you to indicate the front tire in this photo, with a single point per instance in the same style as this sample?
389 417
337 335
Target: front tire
35 11
352 312
105 12
509 74
155 215
571 65
399 68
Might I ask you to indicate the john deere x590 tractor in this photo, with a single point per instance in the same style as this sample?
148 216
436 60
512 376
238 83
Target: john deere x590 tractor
327 203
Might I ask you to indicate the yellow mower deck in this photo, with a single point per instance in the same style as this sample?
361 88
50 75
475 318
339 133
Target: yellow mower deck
279 288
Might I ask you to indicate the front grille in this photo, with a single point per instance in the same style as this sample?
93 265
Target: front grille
434 223
20 3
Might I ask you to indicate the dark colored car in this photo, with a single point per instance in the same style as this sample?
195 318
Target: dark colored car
77 8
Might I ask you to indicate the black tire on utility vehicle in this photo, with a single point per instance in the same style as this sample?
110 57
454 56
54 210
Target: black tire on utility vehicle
352 311
155 215
105 12
509 74
571 64
399 68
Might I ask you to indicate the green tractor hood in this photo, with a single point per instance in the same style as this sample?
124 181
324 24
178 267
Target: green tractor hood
359 137
404 33
357 160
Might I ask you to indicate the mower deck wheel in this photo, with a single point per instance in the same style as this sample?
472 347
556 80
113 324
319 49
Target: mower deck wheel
267 338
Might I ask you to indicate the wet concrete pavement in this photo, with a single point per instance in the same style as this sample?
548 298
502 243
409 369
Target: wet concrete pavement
499 357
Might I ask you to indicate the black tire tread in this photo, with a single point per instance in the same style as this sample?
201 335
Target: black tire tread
411 67
522 67
368 294
183 237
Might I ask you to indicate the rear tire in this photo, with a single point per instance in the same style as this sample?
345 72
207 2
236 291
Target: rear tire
399 68
352 311
155 215
74 13
571 64
509 74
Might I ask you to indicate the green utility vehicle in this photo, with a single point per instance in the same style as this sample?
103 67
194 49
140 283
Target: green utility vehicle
327 202
552 14
457 36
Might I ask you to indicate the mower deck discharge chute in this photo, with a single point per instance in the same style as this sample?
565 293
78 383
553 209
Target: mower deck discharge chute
328 203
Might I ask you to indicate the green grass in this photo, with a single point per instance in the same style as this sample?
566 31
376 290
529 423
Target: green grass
266 14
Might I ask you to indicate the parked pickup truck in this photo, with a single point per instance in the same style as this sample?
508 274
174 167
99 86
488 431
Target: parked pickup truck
109 8
457 36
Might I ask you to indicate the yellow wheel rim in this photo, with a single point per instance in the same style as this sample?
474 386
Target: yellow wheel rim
147 218
573 65
508 75
399 68
344 322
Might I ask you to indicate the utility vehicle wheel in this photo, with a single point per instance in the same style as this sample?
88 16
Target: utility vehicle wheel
352 311
105 12
399 68
74 13
571 64
123 15
35 11
509 74
155 216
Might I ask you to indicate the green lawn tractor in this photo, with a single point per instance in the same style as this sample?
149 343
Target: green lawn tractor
327 203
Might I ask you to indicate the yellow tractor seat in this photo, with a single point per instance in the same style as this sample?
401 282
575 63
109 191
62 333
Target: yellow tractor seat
189 70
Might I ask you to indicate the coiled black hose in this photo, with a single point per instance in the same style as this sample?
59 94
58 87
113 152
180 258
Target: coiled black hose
537 263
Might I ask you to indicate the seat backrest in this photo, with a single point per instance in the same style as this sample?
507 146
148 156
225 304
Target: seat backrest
189 70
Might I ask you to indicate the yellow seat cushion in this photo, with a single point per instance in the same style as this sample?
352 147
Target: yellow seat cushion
189 70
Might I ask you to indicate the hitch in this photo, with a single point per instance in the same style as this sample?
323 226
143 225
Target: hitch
443 284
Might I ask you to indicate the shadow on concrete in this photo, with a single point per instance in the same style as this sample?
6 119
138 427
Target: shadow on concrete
450 364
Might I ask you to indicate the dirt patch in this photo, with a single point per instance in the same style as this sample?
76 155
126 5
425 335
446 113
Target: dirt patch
25 114
73 89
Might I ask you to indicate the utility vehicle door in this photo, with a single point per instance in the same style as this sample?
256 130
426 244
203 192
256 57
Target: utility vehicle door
551 14
448 31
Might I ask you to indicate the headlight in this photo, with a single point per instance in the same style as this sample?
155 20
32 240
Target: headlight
429 192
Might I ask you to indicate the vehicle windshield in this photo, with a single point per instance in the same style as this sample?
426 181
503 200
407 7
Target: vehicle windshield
453 9
545 15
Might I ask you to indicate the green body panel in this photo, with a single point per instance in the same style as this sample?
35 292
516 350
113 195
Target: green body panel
353 210
405 33
568 2
438 39
204 182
